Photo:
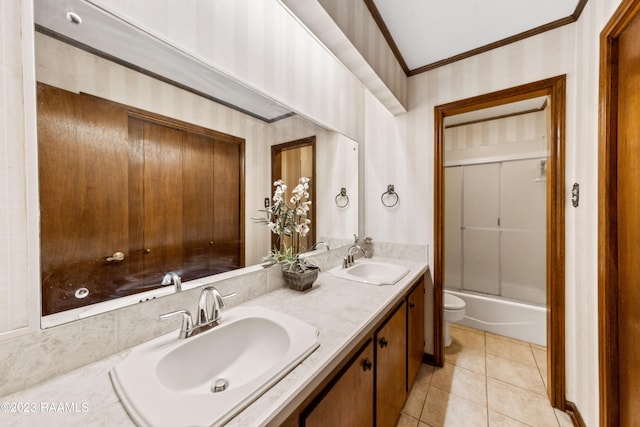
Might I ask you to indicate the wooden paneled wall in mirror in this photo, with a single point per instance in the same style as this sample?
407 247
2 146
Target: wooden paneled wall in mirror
128 196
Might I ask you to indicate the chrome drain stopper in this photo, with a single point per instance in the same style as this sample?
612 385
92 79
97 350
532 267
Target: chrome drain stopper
219 385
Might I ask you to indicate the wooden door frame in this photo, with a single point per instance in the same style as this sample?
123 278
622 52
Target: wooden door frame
275 174
607 212
555 89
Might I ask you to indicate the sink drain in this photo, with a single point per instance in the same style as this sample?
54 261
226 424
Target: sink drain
219 385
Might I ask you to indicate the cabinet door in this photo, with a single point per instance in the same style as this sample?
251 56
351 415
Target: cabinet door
349 401
391 368
415 332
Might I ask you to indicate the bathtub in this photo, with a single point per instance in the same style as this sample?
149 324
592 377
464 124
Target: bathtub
526 322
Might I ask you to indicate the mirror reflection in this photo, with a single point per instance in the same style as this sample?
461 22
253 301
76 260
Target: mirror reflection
290 162
140 178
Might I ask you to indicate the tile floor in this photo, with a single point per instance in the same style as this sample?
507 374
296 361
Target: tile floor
487 380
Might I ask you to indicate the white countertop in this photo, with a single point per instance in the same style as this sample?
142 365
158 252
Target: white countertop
342 310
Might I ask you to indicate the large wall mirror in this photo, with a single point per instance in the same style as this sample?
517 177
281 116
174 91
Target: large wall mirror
141 143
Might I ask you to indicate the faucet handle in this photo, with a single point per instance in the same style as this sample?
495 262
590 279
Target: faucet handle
187 321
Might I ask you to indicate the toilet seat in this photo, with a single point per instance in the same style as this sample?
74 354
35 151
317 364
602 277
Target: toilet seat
452 302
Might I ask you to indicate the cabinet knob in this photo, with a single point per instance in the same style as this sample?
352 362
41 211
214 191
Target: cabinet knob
412 305
366 364
383 342
211 243
147 251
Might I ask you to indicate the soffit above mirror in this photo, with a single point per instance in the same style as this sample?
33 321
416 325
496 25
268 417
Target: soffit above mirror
102 33
431 33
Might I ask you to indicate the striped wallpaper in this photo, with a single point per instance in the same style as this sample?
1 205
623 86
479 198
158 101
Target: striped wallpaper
14 293
260 44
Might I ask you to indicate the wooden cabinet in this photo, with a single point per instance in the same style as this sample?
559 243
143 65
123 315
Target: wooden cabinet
391 367
415 332
360 396
348 400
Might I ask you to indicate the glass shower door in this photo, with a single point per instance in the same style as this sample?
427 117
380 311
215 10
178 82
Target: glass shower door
481 233
523 221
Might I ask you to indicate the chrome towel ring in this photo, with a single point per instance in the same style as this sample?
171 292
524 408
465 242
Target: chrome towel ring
390 194
342 200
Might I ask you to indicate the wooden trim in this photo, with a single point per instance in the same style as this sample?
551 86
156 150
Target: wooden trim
555 88
375 13
502 116
175 123
607 213
429 359
574 413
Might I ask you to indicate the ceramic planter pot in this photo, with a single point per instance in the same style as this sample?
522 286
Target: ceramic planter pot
301 281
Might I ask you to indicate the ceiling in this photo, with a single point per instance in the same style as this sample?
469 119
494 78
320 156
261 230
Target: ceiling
425 34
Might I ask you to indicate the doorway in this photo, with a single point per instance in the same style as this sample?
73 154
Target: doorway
618 224
290 161
554 89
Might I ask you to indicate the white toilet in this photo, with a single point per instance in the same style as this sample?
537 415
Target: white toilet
453 312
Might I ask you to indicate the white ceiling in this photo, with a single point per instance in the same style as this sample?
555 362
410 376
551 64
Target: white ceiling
428 31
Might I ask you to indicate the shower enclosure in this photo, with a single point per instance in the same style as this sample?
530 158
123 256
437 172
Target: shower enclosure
495 229
495 225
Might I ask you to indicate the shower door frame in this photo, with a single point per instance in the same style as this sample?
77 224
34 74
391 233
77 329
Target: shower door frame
555 89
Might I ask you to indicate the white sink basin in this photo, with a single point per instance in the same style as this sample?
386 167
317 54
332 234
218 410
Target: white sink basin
171 382
371 272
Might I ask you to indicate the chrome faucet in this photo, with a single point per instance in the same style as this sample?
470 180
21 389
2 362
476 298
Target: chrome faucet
209 313
186 330
349 259
318 244
172 278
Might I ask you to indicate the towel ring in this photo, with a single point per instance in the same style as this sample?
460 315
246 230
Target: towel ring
390 192
342 195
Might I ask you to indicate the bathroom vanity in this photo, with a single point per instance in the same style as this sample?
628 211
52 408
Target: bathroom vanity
371 346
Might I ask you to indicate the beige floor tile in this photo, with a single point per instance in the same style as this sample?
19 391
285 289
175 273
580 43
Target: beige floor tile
539 347
466 328
518 374
522 405
442 409
407 421
496 419
563 418
540 356
468 358
541 360
461 382
467 337
506 338
418 394
510 349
